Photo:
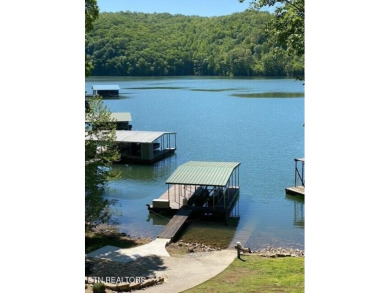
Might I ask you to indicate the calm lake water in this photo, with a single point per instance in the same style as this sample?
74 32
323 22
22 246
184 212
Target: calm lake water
258 122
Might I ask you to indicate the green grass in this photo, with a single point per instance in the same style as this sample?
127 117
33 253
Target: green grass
257 274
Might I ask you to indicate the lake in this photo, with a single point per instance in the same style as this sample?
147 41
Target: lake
258 122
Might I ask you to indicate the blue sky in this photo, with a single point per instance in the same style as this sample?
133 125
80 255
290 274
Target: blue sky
186 7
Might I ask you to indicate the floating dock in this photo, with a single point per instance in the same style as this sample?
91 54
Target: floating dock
106 90
198 189
143 147
122 120
299 177
296 190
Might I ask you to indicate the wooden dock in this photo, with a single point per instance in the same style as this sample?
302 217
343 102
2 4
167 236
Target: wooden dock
296 190
177 194
204 190
175 224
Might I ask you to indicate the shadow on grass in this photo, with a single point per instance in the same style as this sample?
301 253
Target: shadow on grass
105 269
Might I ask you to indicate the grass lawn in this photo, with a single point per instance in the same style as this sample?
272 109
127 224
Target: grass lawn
257 274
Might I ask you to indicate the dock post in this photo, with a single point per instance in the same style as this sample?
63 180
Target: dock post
238 247
295 180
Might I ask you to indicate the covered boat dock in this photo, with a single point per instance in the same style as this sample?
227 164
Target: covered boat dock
206 188
122 120
198 189
106 90
145 146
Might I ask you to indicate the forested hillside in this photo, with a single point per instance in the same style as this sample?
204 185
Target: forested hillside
139 44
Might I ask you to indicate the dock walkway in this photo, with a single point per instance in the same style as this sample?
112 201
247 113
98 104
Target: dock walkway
176 223
299 175
296 190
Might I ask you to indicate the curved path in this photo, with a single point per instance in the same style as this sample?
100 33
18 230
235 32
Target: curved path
182 272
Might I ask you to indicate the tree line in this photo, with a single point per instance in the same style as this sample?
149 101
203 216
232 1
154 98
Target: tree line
161 44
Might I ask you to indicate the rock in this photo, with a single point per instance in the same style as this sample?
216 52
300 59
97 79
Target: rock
117 287
283 254
191 250
149 283
134 286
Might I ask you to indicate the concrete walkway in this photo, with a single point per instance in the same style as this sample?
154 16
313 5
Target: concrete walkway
182 272
186 272
156 247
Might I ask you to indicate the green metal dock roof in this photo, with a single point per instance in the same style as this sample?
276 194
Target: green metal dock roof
203 173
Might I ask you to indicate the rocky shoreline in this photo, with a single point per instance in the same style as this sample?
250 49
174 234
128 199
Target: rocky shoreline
104 268
182 248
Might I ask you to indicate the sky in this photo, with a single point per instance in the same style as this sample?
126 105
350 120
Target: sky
186 7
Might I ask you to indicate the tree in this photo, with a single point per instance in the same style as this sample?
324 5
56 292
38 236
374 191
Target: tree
287 29
91 14
288 25
100 153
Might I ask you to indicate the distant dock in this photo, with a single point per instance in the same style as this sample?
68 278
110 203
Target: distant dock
299 177
106 90
206 190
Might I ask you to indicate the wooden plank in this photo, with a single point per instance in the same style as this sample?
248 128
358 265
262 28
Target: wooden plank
175 224
297 190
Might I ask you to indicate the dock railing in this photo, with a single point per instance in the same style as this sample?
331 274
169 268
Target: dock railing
299 174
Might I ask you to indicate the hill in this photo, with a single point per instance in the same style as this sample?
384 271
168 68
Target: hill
161 44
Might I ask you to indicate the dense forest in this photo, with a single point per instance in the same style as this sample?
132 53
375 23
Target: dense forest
139 44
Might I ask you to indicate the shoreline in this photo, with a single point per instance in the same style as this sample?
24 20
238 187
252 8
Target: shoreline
179 248
151 271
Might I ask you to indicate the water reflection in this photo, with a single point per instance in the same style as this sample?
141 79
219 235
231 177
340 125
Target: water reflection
157 220
271 95
299 209
211 233
156 88
161 169
215 90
